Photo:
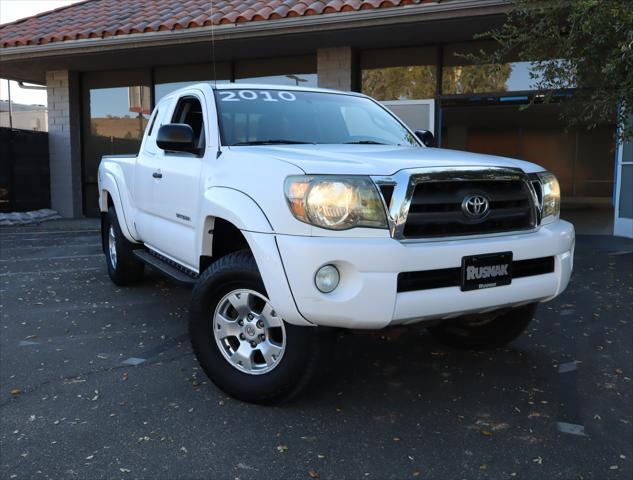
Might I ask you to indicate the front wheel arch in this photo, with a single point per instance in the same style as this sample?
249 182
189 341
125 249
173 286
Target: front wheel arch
221 238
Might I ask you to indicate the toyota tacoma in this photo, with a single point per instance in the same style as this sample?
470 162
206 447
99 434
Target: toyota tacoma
290 209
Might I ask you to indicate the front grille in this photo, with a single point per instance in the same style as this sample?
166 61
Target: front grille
451 277
436 208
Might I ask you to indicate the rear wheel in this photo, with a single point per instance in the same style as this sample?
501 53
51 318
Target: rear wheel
485 331
241 342
123 267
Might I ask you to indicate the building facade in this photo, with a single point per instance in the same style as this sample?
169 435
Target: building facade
104 75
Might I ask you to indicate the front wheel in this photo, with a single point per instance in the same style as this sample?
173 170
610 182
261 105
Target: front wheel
485 331
241 342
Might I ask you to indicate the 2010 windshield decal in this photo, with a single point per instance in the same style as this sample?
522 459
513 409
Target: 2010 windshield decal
265 95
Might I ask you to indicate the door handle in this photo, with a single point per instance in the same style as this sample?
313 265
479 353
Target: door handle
157 174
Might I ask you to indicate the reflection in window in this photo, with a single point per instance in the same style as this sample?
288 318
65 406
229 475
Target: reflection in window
118 117
399 83
169 79
162 89
119 114
488 78
297 80
115 110
407 73
289 71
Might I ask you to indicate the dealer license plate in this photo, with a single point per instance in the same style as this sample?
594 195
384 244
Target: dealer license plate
486 271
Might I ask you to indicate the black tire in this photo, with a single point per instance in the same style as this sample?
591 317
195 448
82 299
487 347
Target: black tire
288 378
486 331
127 269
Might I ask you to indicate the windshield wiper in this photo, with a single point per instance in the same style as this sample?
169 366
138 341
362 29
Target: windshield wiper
273 142
365 142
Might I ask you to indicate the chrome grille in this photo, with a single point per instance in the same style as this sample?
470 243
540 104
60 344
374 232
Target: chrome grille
428 203
436 208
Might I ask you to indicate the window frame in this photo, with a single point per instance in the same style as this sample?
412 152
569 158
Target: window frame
203 131
150 130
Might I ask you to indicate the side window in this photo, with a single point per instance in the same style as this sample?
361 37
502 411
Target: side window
189 111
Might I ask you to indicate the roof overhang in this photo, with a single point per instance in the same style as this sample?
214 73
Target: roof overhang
453 21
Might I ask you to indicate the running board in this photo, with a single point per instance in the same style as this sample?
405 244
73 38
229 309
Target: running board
166 267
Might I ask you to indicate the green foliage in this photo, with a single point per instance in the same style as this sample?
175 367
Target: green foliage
586 45
476 78
399 83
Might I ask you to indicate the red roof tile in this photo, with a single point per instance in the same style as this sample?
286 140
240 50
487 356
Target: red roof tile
106 18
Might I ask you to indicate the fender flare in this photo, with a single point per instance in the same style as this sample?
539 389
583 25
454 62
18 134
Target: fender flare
246 215
236 207
108 186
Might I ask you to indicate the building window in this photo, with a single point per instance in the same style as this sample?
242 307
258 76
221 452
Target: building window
487 78
119 113
399 73
169 79
291 80
291 71
460 76
116 109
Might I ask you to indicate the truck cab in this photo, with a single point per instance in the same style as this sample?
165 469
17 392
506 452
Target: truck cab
289 209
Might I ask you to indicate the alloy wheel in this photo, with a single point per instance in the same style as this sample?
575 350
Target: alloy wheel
248 332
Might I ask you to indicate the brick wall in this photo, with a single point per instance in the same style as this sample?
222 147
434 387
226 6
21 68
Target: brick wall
63 142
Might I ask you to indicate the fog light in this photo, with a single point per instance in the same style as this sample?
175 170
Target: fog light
327 278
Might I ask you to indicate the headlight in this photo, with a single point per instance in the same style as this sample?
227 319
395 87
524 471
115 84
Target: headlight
550 193
335 203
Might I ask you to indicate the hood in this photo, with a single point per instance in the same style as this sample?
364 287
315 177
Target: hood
376 159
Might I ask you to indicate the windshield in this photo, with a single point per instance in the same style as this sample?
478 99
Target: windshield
269 117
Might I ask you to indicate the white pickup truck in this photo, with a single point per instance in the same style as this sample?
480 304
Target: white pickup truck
293 208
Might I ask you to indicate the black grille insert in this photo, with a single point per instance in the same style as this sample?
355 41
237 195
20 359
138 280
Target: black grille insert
436 208
387 193
451 277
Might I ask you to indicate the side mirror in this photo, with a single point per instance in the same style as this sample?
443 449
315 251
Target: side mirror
425 137
177 137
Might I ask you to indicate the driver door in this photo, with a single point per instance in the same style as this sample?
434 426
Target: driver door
176 193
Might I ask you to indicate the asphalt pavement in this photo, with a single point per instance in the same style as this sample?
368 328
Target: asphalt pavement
98 381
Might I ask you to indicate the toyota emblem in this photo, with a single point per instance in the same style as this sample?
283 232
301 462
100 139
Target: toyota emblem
475 206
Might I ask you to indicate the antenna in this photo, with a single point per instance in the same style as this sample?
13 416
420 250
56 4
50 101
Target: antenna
215 76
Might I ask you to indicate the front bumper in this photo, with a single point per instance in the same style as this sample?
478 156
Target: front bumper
367 295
